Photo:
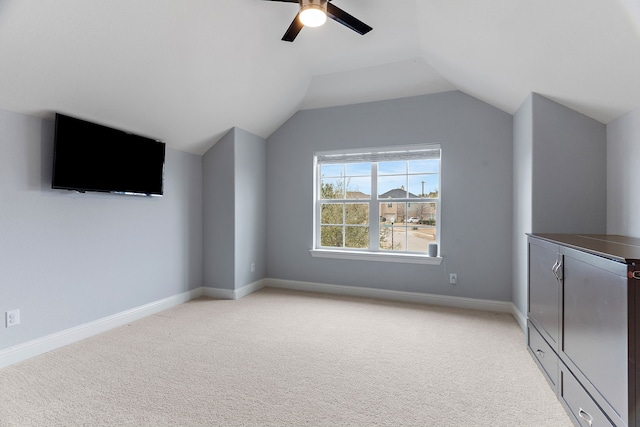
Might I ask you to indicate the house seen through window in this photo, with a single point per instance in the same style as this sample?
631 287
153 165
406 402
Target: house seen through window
378 200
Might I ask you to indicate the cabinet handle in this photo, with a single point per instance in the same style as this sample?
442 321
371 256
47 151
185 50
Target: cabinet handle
559 271
540 353
585 416
556 268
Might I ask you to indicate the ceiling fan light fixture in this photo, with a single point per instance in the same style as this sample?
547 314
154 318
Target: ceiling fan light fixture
313 13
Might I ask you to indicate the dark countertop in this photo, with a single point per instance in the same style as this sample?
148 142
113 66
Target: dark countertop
618 248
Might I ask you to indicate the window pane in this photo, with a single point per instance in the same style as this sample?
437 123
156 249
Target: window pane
332 188
357 237
358 169
331 236
357 213
331 170
392 236
392 229
393 187
359 187
431 215
331 213
428 183
424 166
422 213
386 168
419 237
387 213
400 212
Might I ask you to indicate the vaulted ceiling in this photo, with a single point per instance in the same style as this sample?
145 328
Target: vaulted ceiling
187 71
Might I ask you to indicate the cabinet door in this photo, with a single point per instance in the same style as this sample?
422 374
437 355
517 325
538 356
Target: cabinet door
595 326
544 290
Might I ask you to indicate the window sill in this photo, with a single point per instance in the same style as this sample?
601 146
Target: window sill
376 256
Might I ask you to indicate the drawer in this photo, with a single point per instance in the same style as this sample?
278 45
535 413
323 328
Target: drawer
583 409
544 355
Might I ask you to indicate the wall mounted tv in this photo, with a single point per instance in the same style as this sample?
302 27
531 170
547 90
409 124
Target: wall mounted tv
92 157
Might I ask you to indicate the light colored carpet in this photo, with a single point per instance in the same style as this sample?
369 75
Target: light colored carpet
283 358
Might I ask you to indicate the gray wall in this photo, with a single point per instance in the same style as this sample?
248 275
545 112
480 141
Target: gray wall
569 170
522 199
250 216
219 213
234 215
559 178
476 193
623 175
67 259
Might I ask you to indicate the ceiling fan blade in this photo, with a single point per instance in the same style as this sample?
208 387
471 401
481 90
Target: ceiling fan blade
293 30
287 1
347 20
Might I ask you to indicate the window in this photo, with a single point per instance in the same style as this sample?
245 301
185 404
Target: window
383 202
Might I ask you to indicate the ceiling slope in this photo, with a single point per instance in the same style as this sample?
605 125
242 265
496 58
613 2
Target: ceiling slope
186 72
583 54
387 81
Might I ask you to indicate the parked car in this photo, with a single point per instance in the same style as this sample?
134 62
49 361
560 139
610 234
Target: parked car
414 220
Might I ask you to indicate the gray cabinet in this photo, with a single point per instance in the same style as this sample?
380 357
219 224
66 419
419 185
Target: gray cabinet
584 310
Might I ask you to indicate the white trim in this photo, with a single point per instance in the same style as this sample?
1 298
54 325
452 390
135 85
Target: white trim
419 147
220 293
372 155
376 256
50 342
248 289
316 205
520 318
385 294
18 353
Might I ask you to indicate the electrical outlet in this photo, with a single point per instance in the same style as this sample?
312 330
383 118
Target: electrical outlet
453 278
13 318
253 267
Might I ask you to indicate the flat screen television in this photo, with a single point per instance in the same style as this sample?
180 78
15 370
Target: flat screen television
92 157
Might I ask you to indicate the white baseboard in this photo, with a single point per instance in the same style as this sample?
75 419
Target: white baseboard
249 289
233 294
520 318
47 343
415 297
218 293
24 351
42 345
471 303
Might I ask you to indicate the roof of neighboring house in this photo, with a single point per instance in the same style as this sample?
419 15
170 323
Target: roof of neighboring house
397 193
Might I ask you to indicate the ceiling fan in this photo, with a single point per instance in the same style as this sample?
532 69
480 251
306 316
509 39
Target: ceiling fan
313 13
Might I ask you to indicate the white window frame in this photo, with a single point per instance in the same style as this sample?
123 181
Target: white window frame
374 254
